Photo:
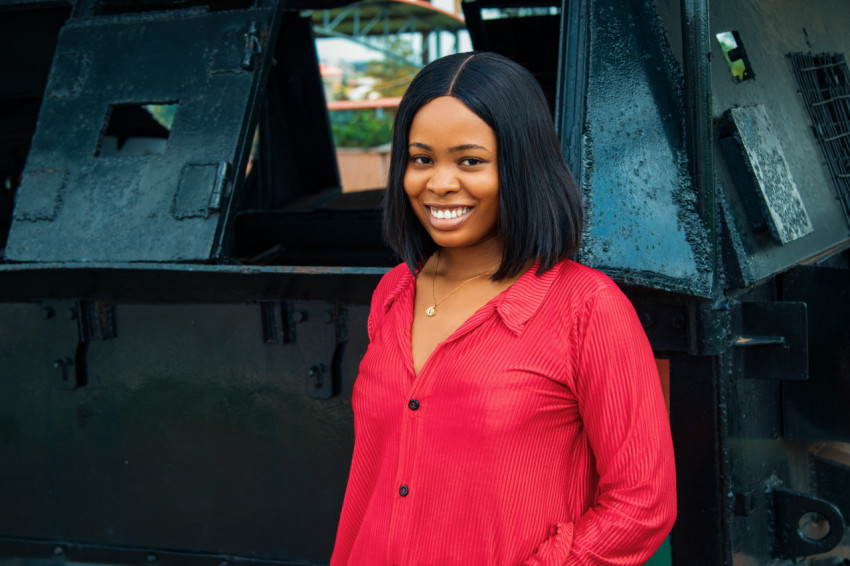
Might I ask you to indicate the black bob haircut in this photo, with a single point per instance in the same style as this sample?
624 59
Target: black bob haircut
540 213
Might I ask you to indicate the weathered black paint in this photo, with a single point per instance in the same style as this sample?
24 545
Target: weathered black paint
188 412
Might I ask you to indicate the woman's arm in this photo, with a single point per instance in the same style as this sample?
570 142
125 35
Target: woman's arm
626 423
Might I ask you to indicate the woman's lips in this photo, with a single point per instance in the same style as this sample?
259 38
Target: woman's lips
446 217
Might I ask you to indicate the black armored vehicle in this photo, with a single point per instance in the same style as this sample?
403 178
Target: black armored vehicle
183 302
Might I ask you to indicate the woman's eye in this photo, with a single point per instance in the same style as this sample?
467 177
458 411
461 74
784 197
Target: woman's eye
421 160
471 162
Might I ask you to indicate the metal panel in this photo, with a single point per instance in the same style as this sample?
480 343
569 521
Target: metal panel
89 194
766 170
769 31
816 409
192 434
642 221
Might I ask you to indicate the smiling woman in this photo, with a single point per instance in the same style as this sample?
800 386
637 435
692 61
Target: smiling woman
508 409
452 177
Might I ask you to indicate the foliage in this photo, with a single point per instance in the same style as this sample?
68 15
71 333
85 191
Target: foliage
361 128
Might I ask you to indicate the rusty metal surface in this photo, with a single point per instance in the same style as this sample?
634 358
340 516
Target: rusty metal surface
776 197
643 225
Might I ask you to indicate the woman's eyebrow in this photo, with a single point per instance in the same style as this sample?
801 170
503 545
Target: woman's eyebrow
466 146
453 149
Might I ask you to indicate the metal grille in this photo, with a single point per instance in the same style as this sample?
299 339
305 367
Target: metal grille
824 82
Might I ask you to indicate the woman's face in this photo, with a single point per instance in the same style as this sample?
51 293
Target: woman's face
452 177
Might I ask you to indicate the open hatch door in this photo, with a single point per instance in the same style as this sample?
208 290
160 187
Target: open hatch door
144 131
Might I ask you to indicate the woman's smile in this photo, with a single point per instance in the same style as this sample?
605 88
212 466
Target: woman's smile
444 213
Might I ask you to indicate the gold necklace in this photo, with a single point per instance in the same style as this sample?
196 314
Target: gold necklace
432 310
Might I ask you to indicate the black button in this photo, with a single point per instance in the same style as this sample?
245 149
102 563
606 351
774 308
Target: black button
403 491
413 404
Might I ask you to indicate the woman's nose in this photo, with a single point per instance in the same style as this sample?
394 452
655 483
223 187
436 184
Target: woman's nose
443 180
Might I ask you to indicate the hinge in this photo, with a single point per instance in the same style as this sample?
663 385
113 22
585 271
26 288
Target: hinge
252 46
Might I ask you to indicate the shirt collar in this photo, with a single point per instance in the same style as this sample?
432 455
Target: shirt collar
405 281
522 299
515 306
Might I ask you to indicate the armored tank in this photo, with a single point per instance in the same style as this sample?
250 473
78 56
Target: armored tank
183 302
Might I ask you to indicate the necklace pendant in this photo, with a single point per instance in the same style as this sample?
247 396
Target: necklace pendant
431 311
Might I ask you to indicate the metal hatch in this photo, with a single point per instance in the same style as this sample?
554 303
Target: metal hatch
105 180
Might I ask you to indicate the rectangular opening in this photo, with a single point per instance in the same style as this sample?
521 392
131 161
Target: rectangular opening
136 130
735 55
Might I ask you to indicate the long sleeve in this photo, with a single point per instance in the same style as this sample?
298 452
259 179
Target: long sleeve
626 424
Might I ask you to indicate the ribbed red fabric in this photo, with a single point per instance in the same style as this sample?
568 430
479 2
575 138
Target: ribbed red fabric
535 434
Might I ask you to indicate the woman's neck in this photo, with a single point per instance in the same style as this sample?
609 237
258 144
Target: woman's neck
461 263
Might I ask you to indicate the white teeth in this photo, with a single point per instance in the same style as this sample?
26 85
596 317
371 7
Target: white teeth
454 213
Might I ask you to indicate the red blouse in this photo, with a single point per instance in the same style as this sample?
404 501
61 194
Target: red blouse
535 434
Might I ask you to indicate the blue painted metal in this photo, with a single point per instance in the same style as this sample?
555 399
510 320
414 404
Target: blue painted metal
643 221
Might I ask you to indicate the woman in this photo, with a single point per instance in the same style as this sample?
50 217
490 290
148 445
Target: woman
508 409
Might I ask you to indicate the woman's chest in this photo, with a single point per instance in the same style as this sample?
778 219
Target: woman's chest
487 378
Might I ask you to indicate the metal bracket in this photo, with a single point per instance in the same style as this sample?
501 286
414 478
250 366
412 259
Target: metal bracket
804 524
831 469
96 321
324 381
772 341
92 320
279 321
324 327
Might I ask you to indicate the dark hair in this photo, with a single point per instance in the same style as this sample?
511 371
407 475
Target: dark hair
540 214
